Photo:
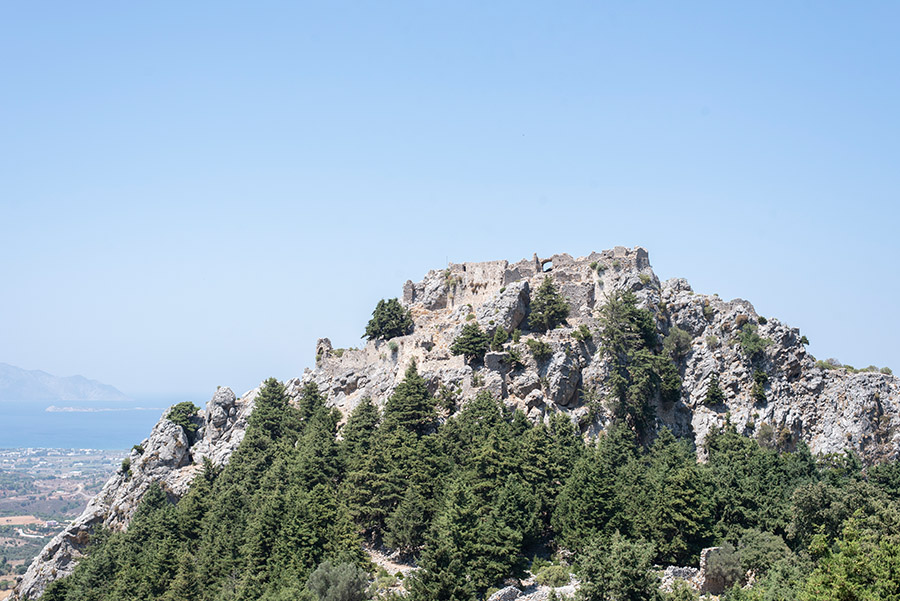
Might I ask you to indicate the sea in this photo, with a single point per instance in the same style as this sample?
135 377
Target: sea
78 424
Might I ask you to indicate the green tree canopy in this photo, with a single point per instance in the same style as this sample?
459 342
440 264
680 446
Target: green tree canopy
472 342
389 320
548 307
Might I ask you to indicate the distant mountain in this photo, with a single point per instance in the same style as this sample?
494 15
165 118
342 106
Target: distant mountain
18 384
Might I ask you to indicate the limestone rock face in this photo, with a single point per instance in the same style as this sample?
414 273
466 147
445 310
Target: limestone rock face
506 594
169 458
505 310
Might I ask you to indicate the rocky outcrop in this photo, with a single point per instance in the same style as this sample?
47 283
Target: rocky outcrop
506 594
831 410
168 457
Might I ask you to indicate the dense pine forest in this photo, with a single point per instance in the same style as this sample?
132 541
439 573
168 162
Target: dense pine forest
477 496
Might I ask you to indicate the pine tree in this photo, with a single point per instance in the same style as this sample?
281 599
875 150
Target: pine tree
269 411
714 394
185 586
472 343
407 524
499 339
590 499
389 320
311 400
616 570
411 406
641 371
548 307
358 433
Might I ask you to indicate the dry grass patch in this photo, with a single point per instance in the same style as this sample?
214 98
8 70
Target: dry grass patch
19 520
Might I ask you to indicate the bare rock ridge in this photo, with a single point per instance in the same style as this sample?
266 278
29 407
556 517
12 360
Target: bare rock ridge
830 409
169 457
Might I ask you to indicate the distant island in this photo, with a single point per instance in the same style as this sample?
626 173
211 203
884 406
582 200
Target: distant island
18 384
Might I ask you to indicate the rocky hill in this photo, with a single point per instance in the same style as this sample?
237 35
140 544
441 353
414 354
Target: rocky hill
169 456
832 409
780 393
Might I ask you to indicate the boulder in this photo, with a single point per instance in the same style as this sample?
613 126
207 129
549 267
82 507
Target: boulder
506 309
506 594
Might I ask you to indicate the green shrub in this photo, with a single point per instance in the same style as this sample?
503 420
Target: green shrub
138 448
389 320
383 581
708 312
677 344
762 320
537 563
758 391
126 466
548 307
447 398
593 265
472 343
470 317
182 415
886 371
516 335
760 550
804 340
552 575
342 582
752 344
500 338
714 394
540 350
725 565
645 279
712 341
582 334
514 358
828 364
765 436
393 346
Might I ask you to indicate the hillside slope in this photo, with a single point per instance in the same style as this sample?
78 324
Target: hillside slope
771 388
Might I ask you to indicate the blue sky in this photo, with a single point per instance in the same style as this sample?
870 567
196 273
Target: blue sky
192 193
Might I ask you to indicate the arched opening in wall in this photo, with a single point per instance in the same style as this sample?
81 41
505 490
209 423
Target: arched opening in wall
546 265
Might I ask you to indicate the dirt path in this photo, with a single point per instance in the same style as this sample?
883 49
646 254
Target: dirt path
390 566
